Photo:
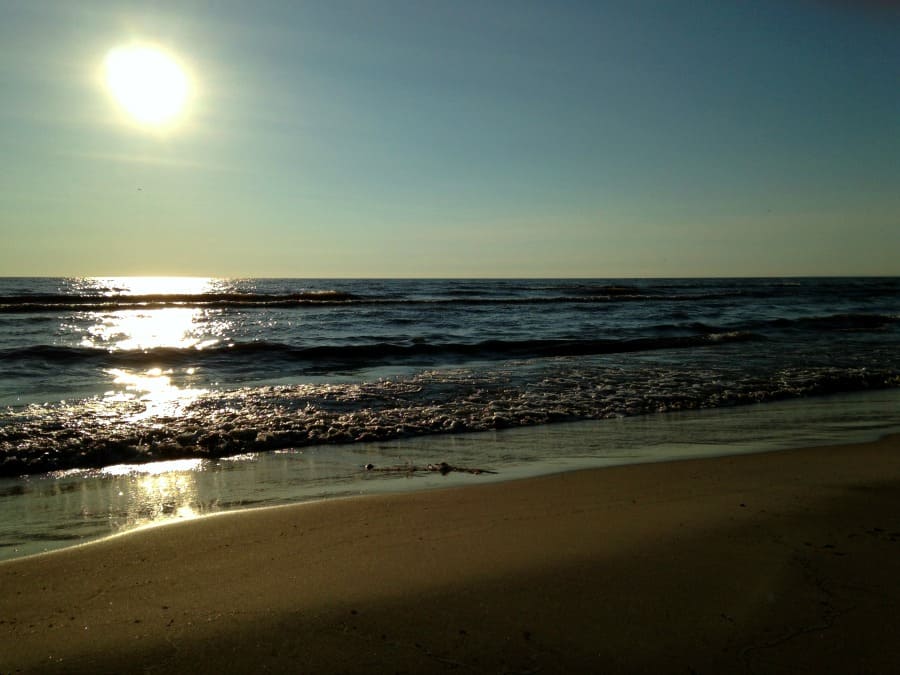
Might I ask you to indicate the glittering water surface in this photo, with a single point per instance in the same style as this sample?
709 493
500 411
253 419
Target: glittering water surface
126 402
95 372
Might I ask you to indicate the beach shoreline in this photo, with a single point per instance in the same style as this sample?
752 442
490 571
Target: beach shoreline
769 562
43 513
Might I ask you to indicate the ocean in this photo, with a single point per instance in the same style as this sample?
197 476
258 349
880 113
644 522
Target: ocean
107 383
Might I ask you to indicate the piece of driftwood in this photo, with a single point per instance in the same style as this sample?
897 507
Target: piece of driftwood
442 468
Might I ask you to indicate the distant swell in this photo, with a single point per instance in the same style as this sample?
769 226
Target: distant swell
454 293
26 305
67 302
586 294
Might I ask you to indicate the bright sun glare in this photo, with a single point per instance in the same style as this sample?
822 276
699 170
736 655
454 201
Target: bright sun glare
148 83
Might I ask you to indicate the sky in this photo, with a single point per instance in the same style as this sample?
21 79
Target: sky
456 138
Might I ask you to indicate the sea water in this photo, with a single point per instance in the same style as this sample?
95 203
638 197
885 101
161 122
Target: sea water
168 390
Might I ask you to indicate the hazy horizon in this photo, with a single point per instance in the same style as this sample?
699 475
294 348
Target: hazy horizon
451 140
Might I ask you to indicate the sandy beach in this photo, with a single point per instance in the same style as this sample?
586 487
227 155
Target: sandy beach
780 562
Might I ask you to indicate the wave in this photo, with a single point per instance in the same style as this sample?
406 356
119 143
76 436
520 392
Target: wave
262 353
311 300
68 302
845 323
456 293
98 432
26 304
355 354
841 322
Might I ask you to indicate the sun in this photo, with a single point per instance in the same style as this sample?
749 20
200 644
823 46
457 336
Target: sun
147 83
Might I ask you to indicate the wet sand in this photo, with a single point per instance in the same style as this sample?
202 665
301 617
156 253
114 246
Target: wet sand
780 562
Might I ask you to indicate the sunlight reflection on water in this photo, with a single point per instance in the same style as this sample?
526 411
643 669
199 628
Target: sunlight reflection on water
126 330
152 469
111 286
148 329
156 492
154 388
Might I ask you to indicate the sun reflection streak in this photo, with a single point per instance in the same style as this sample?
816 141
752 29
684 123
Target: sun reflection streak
153 468
156 493
148 330
158 321
154 388
111 286
152 329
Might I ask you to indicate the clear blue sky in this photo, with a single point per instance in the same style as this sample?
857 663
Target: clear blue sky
457 138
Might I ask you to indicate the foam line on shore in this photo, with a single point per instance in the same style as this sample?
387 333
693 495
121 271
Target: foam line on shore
49 512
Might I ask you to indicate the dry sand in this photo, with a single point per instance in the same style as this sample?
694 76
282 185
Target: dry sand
781 562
